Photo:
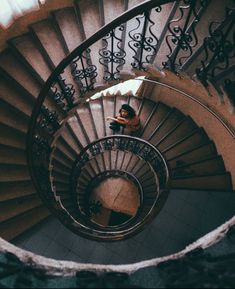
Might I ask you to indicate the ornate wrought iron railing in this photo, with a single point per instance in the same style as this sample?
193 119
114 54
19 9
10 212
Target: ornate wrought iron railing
77 218
140 148
131 40
45 122
218 54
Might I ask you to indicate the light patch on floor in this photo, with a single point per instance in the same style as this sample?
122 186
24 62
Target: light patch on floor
118 194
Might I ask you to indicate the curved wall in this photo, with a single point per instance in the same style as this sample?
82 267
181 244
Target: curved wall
224 140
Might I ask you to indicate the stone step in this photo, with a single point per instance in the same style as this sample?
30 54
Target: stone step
13 117
19 72
12 137
12 155
14 190
193 140
20 224
14 173
210 166
13 208
198 154
87 10
69 27
30 51
204 182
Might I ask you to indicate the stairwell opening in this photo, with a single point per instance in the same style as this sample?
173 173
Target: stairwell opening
113 201
201 197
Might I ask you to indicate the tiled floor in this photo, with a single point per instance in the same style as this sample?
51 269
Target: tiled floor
186 216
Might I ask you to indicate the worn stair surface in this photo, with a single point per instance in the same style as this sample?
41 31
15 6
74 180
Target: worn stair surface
28 62
166 128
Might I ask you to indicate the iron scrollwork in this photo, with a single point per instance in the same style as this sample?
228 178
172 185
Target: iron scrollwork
107 144
182 40
58 97
95 149
63 94
41 147
112 54
84 72
219 49
67 92
143 43
48 120
135 146
229 87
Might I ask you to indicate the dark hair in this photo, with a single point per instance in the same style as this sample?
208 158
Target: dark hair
129 109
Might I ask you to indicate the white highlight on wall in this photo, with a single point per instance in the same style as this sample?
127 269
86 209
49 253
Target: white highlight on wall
128 87
10 10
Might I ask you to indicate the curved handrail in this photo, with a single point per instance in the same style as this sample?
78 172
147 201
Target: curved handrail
109 235
128 137
147 5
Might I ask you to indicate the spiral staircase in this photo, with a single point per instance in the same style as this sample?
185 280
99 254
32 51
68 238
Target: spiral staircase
151 192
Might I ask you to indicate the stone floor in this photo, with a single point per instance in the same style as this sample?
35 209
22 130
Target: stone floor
116 194
186 216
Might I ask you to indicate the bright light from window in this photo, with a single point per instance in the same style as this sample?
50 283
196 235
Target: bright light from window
10 10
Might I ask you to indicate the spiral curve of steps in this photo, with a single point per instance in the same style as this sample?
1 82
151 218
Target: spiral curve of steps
194 163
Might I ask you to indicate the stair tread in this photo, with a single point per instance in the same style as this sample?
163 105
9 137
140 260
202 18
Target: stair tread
12 137
96 108
87 10
10 63
208 166
197 154
197 137
180 130
170 121
29 50
14 190
14 98
68 23
14 173
13 117
65 148
216 182
85 121
109 110
112 8
11 155
18 225
13 208
45 30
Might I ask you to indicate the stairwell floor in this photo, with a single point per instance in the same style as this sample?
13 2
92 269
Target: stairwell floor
181 222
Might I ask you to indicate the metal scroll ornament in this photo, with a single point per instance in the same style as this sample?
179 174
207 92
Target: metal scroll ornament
182 38
84 72
141 149
48 120
112 54
143 41
218 48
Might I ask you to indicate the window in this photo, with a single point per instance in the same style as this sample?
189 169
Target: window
10 10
